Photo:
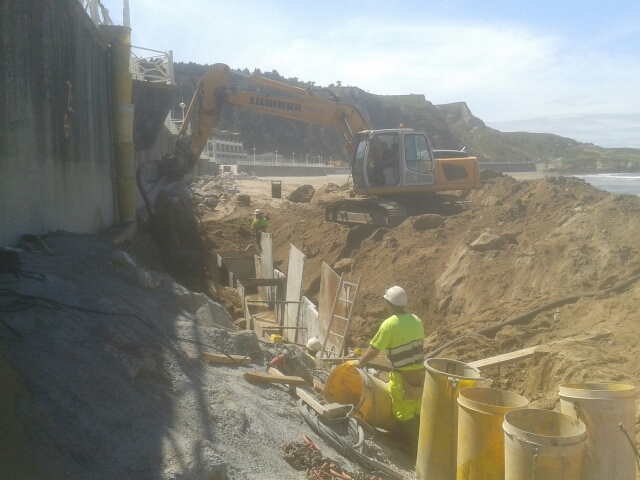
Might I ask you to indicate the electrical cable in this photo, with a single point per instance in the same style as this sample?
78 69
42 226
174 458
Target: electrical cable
354 452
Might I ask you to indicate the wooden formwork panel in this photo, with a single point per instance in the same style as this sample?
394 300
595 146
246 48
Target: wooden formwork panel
294 290
329 283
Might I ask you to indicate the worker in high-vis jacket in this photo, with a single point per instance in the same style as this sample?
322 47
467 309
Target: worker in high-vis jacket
402 336
259 225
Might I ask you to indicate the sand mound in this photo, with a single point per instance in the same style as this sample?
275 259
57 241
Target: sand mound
302 194
547 239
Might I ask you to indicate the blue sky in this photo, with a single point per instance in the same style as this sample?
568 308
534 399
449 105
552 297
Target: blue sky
571 68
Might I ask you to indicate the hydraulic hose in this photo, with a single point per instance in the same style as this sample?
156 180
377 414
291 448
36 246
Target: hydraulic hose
531 314
352 451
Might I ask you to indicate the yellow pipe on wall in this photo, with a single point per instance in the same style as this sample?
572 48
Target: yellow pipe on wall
122 86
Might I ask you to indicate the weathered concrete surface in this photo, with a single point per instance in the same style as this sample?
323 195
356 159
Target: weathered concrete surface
56 153
163 144
152 103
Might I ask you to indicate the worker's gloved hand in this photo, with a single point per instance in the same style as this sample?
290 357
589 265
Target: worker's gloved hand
355 363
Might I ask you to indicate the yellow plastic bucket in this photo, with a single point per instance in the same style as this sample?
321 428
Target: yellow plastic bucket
438 439
541 445
480 435
369 396
603 407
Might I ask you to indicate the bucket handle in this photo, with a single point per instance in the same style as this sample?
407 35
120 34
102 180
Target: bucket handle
452 384
576 408
635 450
621 427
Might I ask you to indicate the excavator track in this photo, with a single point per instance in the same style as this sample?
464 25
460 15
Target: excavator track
367 211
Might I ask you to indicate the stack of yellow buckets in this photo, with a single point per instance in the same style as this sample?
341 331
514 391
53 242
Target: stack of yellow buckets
472 433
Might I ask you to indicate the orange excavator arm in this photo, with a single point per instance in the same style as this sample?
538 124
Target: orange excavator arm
301 104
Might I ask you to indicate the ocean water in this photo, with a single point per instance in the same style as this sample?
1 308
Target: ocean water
615 182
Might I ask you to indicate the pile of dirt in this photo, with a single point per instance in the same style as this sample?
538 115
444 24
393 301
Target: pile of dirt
302 194
536 242
513 247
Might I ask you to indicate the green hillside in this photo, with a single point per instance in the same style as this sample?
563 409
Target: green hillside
450 126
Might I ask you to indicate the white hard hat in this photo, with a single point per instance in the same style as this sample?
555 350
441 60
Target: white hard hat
396 296
314 344
257 212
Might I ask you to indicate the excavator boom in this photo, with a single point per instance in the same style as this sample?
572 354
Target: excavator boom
216 89
396 168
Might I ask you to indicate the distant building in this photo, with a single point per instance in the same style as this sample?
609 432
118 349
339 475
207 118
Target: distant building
224 148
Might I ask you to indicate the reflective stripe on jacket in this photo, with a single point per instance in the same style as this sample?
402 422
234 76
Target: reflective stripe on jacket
405 355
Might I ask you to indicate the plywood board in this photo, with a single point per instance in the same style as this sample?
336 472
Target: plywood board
266 265
228 359
280 295
257 377
329 283
529 352
308 318
294 290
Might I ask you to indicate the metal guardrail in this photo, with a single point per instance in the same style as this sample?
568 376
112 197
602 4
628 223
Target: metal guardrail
156 67
289 163
98 12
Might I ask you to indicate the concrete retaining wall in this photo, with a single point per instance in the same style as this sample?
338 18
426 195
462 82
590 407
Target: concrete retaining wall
508 167
56 152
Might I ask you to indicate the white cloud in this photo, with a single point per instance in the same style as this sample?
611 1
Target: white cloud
603 130
505 72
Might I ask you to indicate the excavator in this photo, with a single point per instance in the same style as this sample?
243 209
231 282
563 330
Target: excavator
395 172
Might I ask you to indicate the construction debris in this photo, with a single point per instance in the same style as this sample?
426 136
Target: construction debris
257 377
227 359
306 456
302 194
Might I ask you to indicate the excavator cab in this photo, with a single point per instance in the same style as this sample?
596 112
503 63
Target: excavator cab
387 159
400 174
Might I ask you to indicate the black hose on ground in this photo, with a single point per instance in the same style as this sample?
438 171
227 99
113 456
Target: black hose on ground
353 449
531 314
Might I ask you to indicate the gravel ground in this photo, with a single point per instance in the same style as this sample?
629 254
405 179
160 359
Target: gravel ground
114 394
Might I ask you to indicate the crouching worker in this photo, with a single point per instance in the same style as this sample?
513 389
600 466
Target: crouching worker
402 336
259 225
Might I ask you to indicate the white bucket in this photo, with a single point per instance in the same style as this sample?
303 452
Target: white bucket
542 445
603 407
